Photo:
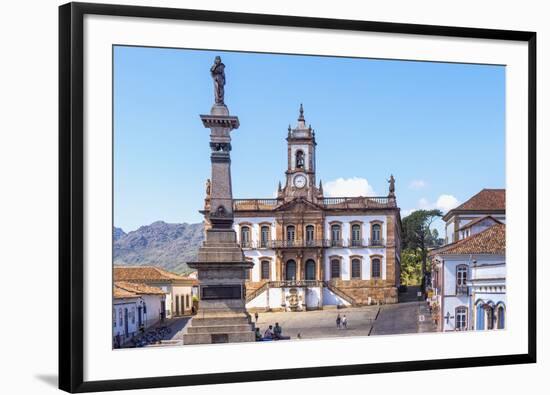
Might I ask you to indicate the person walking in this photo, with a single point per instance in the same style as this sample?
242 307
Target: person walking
338 321
256 316
345 322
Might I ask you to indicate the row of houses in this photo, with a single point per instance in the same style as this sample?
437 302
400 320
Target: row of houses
144 296
468 282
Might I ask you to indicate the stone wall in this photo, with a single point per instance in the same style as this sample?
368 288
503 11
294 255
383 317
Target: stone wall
380 291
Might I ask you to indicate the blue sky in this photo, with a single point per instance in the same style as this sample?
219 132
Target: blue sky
437 127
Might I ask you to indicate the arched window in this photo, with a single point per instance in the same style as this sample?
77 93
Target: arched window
310 269
376 234
461 277
245 237
265 270
480 317
335 268
461 314
120 319
500 317
355 268
490 314
336 235
356 235
290 272
290 235
264 236
300 161
375 268
310 234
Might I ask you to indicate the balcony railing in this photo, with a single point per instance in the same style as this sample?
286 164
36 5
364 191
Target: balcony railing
356 243
254 204
335 243
360 202
379 242
373 202
327 243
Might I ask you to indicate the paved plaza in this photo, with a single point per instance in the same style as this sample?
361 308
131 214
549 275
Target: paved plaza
321 323
411 315
391 319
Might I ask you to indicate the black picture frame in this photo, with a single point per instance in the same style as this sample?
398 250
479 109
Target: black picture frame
71 197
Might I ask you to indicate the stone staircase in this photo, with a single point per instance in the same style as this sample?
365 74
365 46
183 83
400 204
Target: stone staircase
339 293
219 329
250 295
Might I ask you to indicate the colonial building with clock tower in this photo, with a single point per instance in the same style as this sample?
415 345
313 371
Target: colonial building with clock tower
310 251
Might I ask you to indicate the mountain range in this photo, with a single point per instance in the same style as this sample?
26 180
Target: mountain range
169 246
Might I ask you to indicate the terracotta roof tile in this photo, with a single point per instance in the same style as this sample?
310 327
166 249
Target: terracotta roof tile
486 199
491 241
120 293
146 273
138 288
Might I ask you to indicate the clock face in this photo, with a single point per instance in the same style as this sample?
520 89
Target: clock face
300 181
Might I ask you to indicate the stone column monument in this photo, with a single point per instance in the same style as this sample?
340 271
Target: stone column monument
221 265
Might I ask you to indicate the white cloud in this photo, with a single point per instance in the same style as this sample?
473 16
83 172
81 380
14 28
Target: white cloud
444 203
417 184
355 186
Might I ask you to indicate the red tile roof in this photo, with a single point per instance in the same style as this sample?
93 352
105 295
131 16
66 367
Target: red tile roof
148 274
486 199
491 241
124 289
120 293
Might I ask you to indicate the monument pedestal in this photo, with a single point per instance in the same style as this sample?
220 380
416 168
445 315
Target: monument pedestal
222 271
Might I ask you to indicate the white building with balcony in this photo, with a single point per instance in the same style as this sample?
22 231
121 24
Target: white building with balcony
311 251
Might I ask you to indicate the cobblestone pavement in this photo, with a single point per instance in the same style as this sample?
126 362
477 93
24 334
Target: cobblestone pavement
175 338
322 323
396 319
391 319
411 315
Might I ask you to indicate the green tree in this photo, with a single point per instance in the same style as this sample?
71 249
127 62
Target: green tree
417 235
411 267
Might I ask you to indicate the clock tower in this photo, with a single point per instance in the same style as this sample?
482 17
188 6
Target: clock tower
300 173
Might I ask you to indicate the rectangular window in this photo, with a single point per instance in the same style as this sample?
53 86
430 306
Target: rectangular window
335 268
336 235
461 278
356 235
245 237
265 270
376 268
460 319
355 269
264 239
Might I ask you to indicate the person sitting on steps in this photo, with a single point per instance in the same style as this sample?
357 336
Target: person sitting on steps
277 331
268 334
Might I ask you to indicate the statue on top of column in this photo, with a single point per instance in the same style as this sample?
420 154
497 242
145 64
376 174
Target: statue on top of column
218 76
391 181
